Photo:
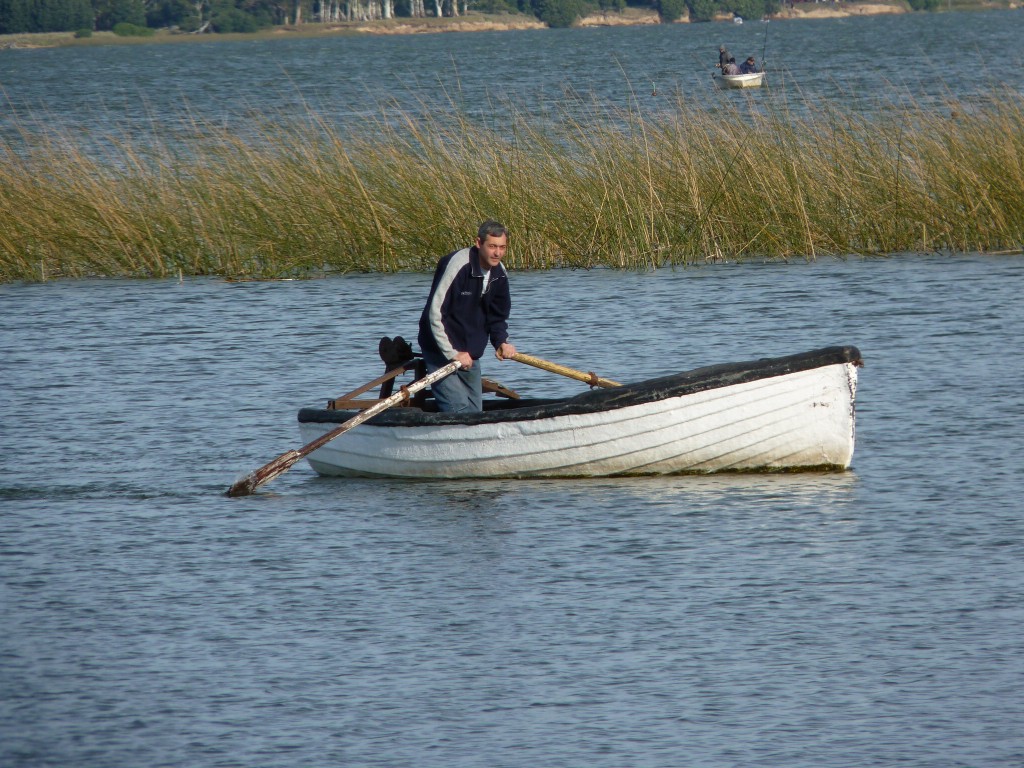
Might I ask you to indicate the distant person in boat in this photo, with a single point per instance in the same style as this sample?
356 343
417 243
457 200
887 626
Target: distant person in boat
723 57
468 306
748 67
730 67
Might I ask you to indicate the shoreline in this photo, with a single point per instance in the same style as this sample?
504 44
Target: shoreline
476 22
632 16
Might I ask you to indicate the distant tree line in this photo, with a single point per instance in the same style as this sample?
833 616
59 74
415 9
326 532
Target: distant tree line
17 16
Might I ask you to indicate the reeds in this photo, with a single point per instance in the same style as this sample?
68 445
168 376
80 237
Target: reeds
587 187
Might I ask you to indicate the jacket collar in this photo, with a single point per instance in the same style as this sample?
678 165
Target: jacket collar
474 262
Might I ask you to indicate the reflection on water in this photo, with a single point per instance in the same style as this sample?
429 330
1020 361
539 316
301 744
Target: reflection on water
823 492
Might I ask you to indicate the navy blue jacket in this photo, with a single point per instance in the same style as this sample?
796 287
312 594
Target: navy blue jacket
459 316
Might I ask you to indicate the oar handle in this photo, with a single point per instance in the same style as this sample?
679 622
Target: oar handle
590 377
285 461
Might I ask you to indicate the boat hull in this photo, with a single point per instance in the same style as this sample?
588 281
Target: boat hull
802 419
755 80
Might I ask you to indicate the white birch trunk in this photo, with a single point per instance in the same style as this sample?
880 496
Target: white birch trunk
356 11
200 26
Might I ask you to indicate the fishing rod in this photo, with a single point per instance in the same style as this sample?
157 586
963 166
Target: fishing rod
765 46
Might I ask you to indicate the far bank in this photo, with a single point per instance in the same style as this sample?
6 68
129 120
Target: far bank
474 21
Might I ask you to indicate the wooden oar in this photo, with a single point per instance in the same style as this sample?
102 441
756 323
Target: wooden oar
285 461
591 378
392 373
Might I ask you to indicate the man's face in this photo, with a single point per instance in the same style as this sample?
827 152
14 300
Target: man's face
492 250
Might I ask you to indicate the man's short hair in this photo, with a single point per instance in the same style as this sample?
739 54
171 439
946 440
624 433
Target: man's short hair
491 228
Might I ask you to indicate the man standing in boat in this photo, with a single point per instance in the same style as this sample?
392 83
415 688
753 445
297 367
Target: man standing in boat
723 57
468 305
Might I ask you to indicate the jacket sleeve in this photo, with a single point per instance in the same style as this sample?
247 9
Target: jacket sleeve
440 301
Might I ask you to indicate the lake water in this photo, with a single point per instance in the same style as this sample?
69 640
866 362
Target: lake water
860 62
867 618
871 617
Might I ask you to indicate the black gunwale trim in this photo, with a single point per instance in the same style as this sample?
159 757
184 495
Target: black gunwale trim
649 390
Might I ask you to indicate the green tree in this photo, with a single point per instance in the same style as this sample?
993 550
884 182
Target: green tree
226 20
18 16
14 15
671 10
174 13
748 9
528 7
266 12
241 15
559 13
111 12
702 10
80 15
485 6
125 29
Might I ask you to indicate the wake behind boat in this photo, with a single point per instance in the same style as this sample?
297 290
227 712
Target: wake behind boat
784 413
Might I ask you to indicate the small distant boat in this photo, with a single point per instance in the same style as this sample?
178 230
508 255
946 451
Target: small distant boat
754 80
784 413
737 19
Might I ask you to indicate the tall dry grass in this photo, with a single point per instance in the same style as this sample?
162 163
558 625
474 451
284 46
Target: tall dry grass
593 187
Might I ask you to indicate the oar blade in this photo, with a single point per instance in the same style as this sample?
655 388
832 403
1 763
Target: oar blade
285 461
265 474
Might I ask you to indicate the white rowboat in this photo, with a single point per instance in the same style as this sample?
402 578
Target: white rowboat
785 413
753 80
